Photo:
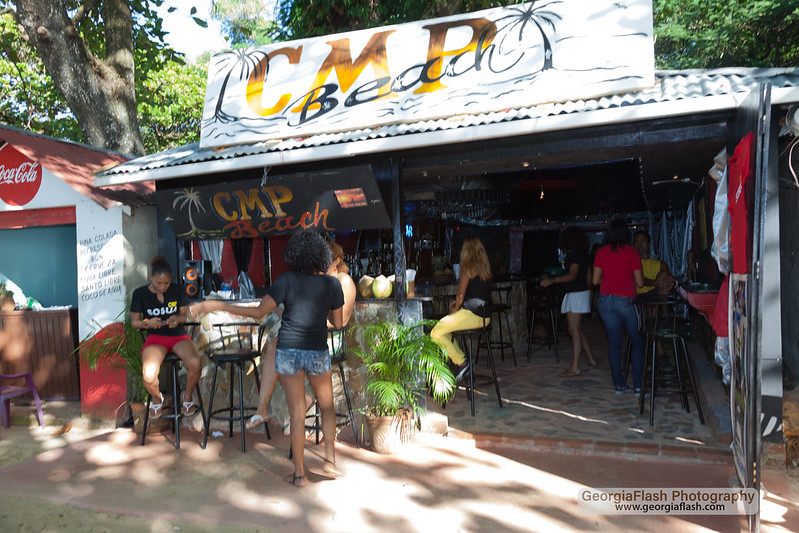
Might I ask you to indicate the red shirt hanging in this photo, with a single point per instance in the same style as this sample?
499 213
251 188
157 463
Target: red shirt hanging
739 195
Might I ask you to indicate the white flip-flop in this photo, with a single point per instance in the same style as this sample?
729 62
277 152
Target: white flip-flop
256 420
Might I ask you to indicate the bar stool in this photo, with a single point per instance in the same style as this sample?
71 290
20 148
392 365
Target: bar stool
542 300
337 345
238 353
466 339
173 361
660 331
500 308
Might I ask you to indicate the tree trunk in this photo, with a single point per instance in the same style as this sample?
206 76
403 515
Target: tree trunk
101 94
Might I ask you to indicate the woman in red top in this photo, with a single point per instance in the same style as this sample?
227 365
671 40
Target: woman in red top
618 271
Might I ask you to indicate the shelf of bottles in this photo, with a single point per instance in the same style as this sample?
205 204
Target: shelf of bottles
375 252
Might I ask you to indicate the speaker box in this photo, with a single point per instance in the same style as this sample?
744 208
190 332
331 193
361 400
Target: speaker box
193 275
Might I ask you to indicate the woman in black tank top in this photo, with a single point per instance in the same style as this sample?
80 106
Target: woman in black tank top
470 309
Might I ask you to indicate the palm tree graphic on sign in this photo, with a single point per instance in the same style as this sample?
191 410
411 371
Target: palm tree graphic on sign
191 200
247 61
537 14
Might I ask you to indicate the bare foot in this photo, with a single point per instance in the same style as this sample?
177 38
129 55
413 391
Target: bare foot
592 362
570 373
329 468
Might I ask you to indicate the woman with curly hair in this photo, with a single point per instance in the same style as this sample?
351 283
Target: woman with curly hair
469 310
577 295
339 270
310 299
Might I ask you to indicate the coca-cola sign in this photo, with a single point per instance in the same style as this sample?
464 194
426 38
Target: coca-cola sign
20 178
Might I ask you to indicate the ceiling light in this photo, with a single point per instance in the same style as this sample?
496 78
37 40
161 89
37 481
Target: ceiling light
525 164
542 193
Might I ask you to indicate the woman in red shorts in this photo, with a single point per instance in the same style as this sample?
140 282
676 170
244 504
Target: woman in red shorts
162 308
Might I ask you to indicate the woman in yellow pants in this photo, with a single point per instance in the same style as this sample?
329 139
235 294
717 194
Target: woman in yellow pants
470 309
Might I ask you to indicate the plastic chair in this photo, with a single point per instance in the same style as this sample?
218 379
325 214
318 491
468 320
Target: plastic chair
173 361
12 391
239 351
337 345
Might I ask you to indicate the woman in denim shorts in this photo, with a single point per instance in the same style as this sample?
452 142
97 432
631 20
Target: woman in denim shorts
310 298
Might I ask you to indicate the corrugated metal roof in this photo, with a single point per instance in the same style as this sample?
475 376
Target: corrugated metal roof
75 164
670 86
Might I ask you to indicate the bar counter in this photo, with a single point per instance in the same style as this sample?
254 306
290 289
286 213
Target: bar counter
365 311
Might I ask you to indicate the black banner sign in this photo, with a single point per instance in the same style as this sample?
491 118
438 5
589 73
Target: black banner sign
334 200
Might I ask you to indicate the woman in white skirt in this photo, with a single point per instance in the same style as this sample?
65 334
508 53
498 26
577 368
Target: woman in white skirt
577 294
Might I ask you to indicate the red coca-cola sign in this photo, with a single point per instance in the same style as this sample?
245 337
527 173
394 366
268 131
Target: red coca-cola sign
20 178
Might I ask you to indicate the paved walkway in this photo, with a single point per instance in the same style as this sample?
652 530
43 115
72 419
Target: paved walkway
109 483
516 468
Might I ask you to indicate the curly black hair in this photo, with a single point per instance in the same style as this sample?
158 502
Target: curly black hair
573 239
307 253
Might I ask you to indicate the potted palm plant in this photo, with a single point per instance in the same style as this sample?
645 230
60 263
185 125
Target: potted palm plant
118 346
400 362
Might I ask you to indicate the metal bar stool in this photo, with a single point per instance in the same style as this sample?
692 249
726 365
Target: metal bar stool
664 329
173 361
239 351
500 308
337 345
466 339
542 300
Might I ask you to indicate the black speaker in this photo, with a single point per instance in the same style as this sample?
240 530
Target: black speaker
193 272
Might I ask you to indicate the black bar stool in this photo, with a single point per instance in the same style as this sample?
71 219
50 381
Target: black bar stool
662 328
240 350
466 339
337 345
501 306
542 301
174 361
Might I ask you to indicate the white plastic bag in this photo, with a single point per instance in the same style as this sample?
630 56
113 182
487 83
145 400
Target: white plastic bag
246 290
720 250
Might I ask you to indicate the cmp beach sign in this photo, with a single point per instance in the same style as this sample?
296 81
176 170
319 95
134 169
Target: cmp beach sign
503 58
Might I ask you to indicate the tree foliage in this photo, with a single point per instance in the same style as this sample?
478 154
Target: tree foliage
160 96
726 33
29 99
170 105
245 22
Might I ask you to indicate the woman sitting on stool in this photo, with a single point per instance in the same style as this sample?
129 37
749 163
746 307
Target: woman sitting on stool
469 310
162 308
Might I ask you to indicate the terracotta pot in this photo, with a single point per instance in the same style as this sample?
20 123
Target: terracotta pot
388 433
153 426
7 304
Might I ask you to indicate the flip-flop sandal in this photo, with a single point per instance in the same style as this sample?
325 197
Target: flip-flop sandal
155 409
256 420
188 409
297 481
